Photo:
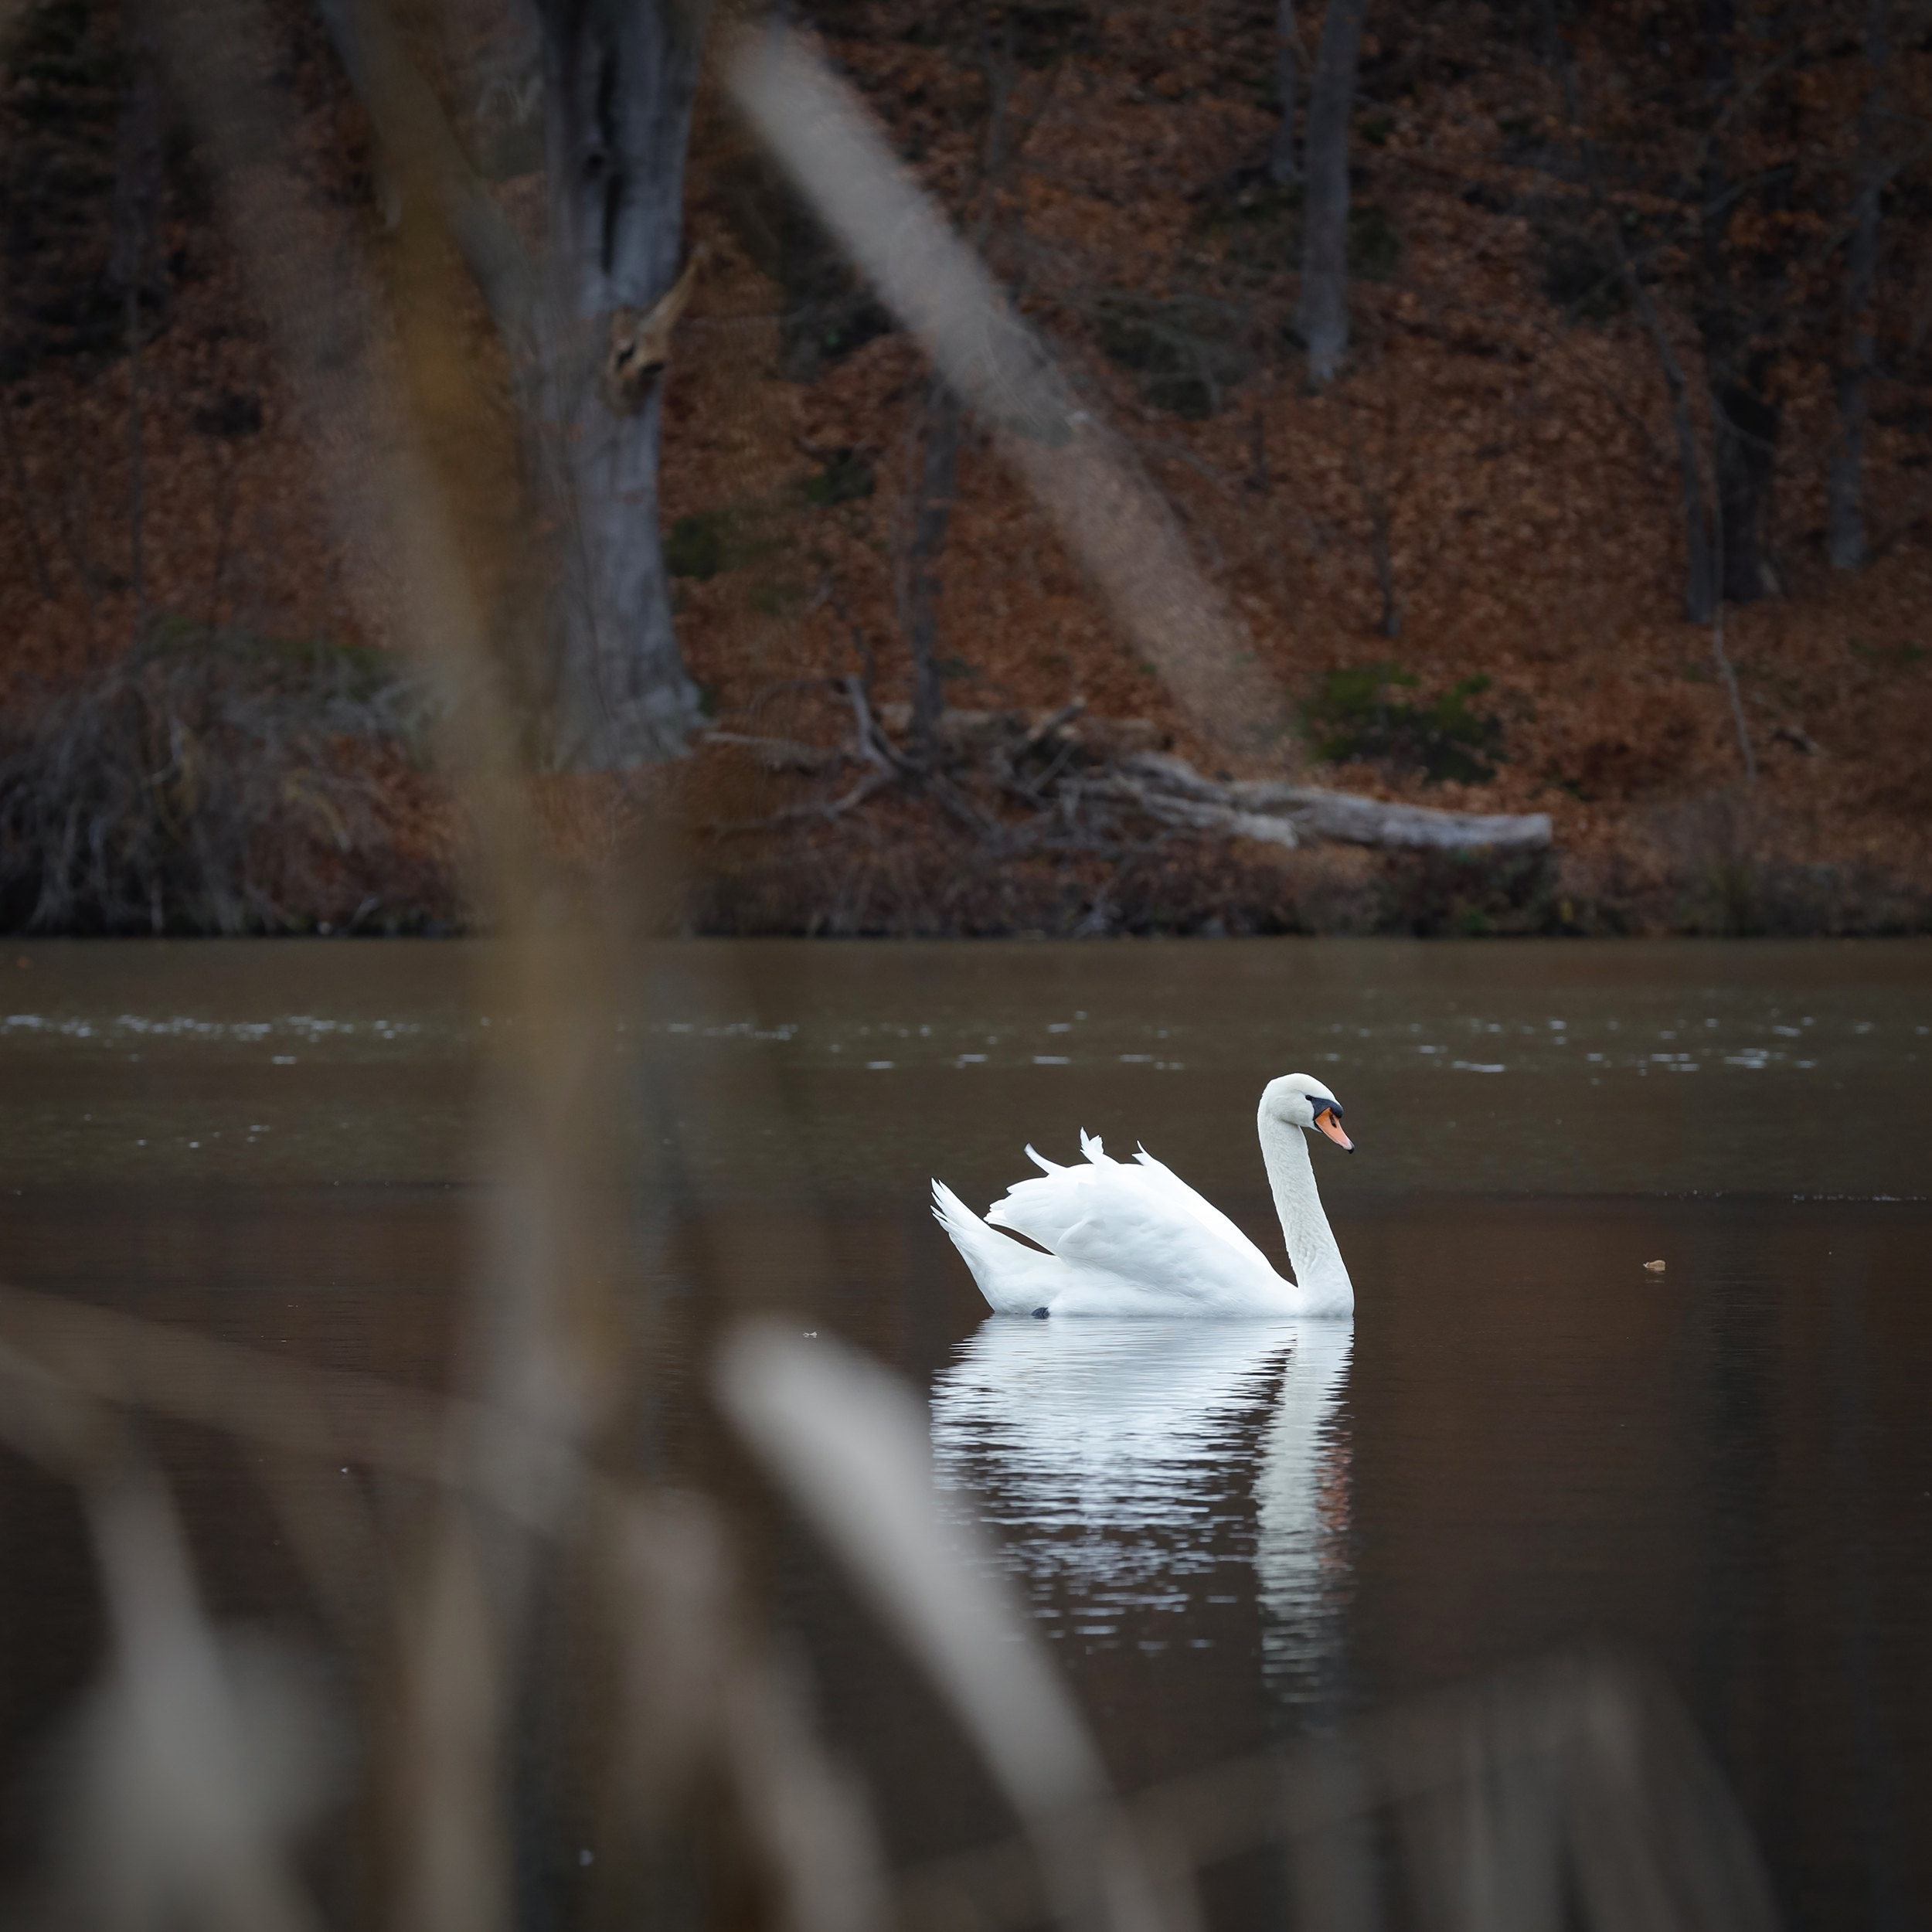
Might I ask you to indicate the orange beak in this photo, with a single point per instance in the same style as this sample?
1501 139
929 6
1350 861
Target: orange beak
1326 1120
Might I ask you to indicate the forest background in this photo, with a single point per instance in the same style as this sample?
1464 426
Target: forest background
1612 506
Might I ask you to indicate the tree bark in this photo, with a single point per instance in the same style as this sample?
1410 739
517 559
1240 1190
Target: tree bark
1845 491
619 79
584 334
1323 314
1284 168
939 467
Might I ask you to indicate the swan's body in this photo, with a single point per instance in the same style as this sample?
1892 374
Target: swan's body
1136 1239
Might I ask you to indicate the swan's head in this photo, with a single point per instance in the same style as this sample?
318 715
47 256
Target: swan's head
1300 1099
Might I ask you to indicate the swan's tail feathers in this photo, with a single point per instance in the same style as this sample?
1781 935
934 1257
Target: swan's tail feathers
1042 1162
1014 1278
1091 1147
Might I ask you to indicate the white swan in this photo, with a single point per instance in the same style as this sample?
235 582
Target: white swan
1139 1240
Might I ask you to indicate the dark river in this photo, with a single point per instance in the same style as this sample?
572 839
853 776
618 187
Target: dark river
1232 1536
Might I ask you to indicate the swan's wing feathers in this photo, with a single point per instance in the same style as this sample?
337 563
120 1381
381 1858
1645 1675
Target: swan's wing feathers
1014 1278
1091 1147
1203 1210
1042 1162
1044 1209
1135 1224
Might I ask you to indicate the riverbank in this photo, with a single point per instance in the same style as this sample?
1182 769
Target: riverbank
1459 569
278 793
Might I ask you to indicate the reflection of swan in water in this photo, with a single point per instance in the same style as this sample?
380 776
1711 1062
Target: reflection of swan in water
1121 1459
1134 1239
1302 1502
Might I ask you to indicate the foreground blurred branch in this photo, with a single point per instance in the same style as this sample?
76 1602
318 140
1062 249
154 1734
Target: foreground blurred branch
1122 531
1570 1794
1583 1767
419 146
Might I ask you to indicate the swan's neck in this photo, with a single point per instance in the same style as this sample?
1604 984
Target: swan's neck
1317 1261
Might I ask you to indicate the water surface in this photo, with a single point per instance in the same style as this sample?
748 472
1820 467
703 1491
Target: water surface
1227 1536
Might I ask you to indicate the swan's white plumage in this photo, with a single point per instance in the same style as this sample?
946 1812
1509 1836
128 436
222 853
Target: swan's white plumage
1134 1239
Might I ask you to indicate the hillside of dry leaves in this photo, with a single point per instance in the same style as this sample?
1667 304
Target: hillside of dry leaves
1487 501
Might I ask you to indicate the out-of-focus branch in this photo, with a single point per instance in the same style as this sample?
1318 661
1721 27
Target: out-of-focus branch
1123 532
422 148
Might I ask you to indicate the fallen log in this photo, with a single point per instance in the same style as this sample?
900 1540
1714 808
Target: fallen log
1096 759
1170 789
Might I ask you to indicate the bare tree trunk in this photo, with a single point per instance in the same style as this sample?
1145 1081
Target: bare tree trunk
1324 316
938 473
619 79
1284 168
1845 489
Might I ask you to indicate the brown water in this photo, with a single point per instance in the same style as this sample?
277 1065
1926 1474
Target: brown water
1522 1441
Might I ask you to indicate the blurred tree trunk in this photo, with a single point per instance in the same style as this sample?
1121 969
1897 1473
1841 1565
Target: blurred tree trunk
1845 489
1324 311
619 78
1284 169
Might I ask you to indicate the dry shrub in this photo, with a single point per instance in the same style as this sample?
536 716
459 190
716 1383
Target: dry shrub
209 784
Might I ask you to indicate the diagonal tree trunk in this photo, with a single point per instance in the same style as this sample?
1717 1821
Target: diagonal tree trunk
1324 314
